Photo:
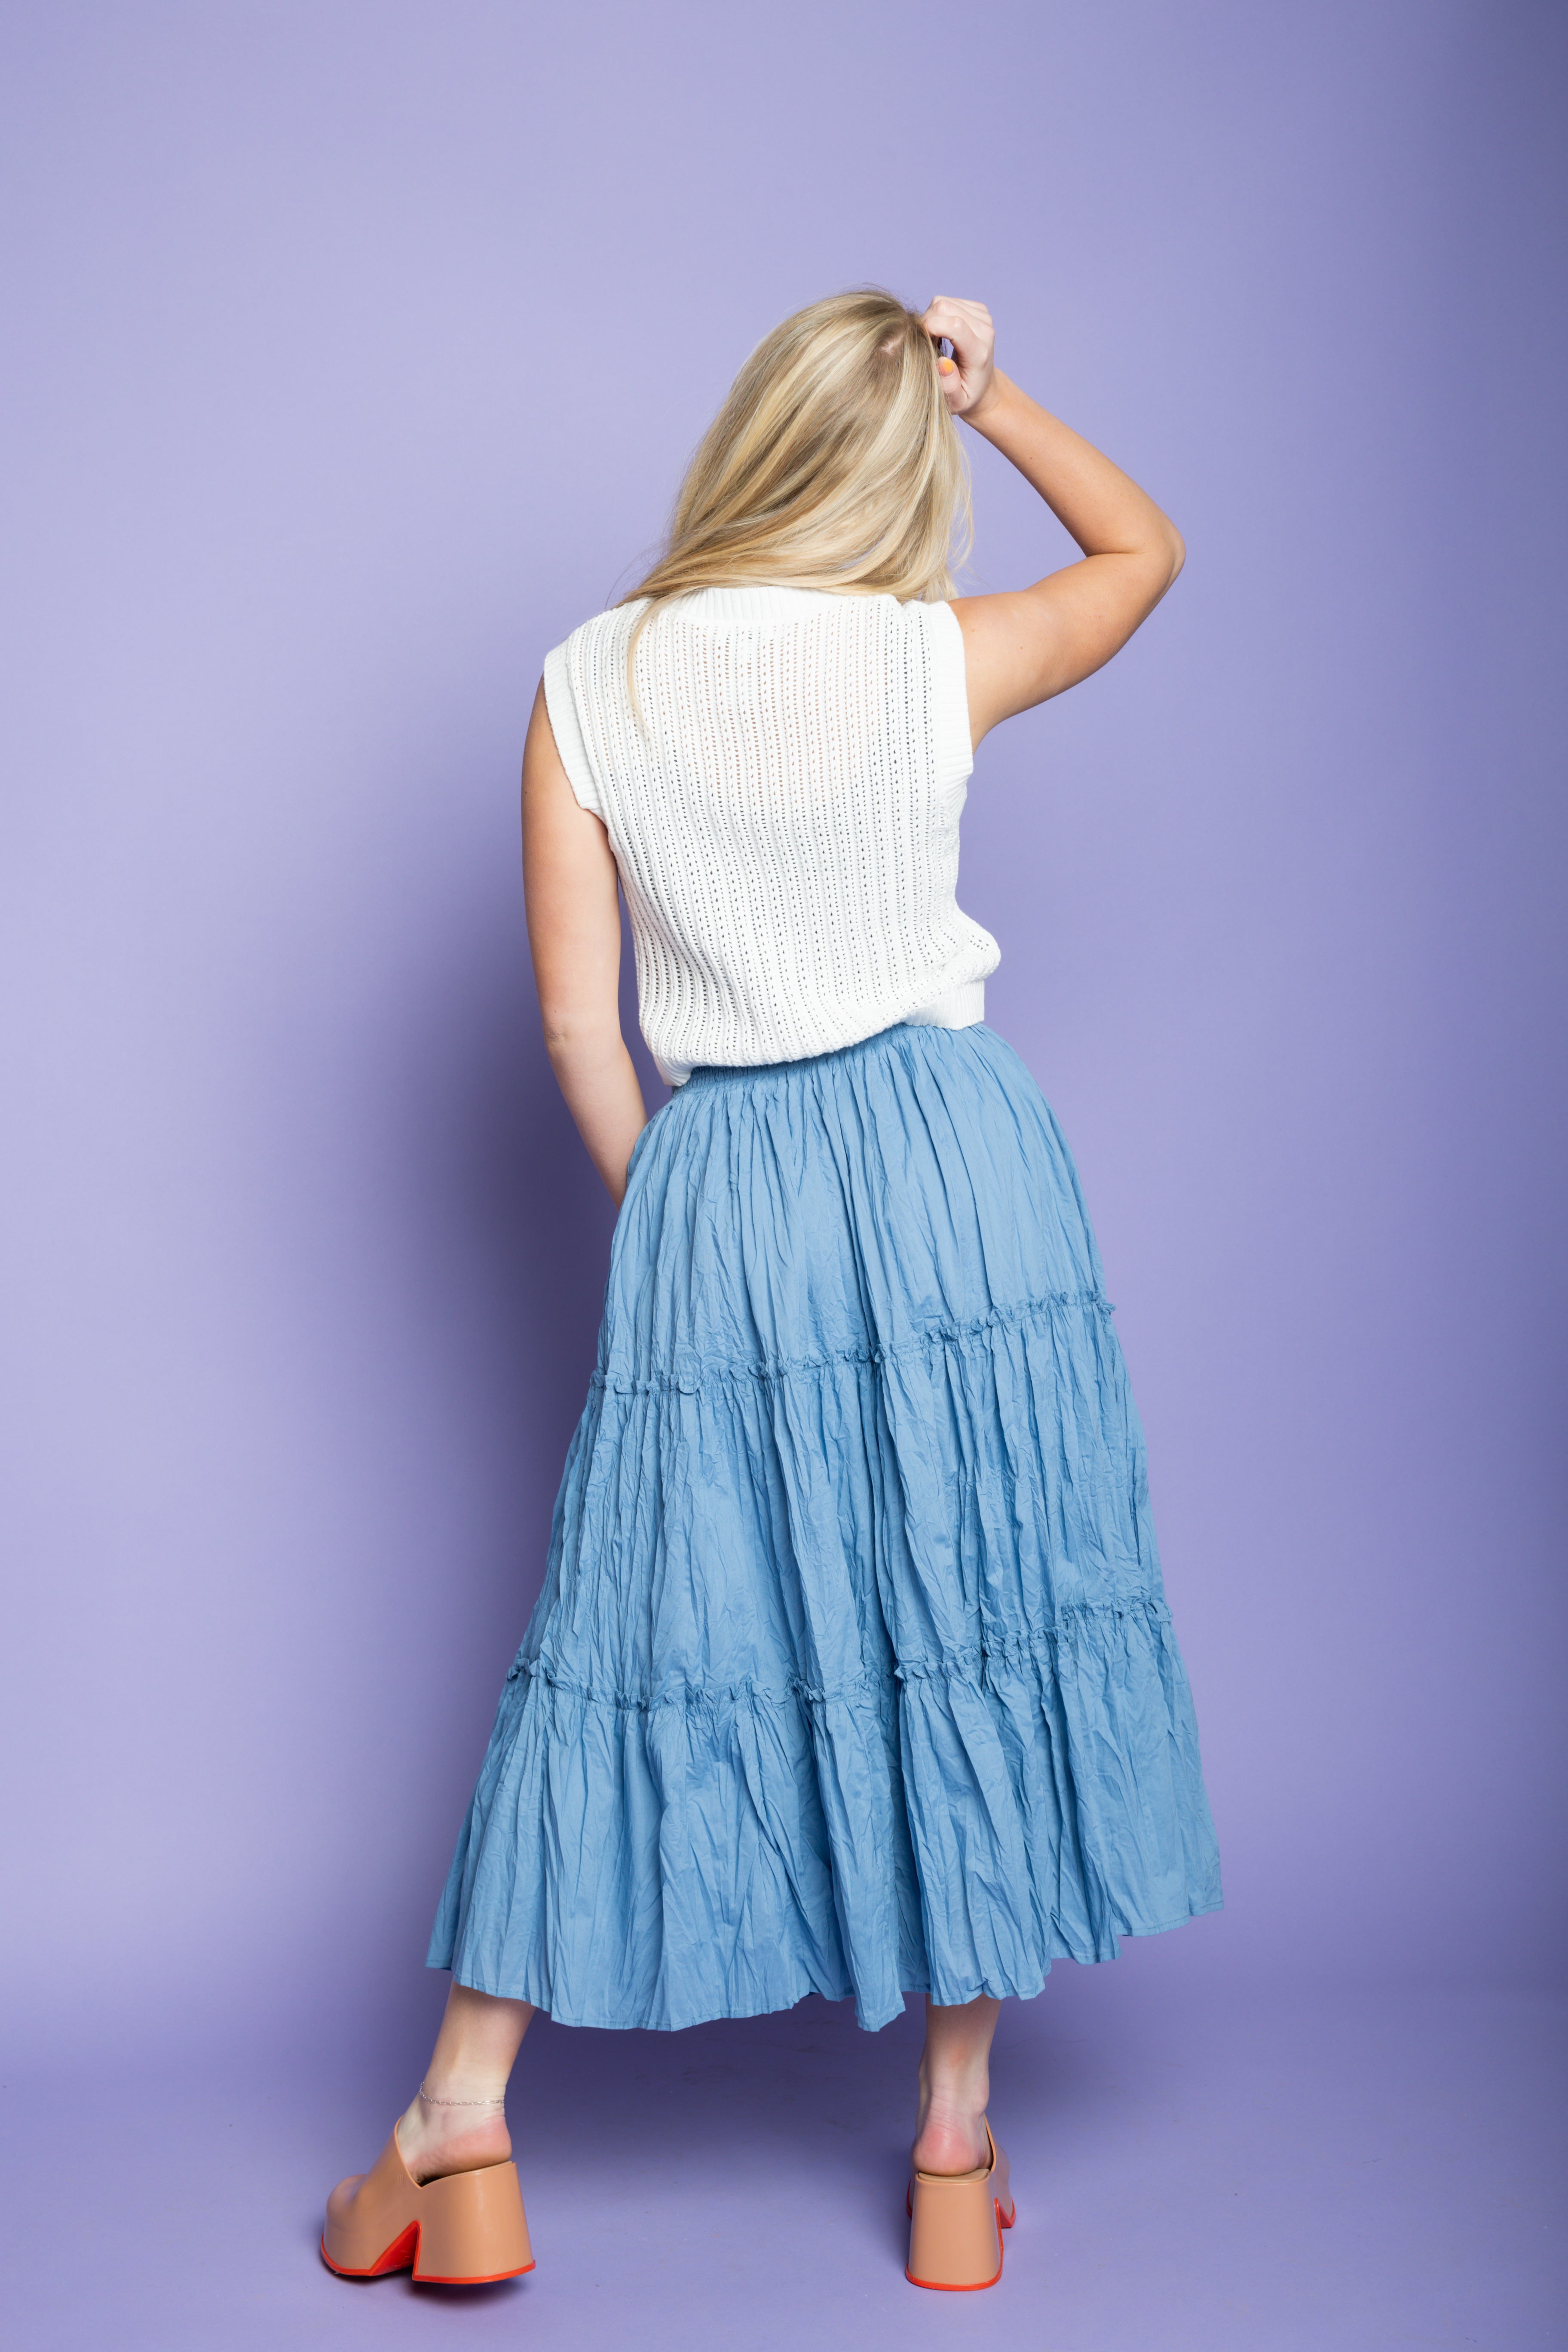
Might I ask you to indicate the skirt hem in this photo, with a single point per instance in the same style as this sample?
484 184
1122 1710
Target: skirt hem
868 2024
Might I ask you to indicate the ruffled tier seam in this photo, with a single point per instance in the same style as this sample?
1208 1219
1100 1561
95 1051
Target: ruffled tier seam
943 1332
970 1666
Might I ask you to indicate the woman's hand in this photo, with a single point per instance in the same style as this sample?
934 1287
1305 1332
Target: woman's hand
968 375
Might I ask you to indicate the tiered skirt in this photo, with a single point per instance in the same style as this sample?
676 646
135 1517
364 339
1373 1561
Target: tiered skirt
852 1672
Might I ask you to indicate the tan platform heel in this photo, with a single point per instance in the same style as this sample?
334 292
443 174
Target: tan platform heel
956 2220
467 2229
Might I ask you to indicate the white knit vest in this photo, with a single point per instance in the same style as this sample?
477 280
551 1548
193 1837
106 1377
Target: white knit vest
785 816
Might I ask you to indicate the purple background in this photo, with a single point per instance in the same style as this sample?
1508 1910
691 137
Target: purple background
354 352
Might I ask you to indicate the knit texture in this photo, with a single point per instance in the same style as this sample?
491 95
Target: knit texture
783 800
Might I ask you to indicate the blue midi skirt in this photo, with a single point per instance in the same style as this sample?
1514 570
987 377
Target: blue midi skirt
852 1672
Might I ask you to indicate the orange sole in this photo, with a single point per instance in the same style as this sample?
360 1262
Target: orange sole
403 2254
975 2286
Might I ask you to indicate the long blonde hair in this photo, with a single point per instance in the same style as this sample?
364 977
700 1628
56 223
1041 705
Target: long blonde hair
834 463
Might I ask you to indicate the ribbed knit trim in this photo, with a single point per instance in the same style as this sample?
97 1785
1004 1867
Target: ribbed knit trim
568 734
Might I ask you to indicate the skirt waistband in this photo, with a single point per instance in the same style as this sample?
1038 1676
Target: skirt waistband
897 1032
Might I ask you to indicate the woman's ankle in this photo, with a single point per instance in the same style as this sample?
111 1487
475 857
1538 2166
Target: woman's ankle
435 2138
951 2141
457 2121
956 2085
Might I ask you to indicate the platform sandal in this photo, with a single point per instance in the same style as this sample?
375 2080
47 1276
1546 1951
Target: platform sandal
956 2220
464 2229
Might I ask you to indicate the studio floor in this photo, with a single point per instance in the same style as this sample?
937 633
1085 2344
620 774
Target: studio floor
1314 2172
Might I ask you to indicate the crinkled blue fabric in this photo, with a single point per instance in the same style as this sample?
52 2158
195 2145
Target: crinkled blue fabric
852 1672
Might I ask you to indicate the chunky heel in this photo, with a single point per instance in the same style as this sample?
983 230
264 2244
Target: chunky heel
473 2229
956 2220
465 2229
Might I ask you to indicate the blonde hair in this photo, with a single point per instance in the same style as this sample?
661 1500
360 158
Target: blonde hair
834 463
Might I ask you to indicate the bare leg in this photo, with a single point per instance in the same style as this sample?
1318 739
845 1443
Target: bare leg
479 2040
955 2085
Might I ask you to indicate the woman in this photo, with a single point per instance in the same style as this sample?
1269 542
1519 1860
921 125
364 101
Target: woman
852 1672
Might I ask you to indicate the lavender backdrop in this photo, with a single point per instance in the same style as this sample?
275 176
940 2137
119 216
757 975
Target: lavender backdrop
355 348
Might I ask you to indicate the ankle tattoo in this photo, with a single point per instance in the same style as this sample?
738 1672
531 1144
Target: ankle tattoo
430 2102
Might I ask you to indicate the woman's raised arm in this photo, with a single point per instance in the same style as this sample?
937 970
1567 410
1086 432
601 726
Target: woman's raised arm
1023 648
570 887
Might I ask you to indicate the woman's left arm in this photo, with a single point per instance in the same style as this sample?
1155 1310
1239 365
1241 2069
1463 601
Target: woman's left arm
570 891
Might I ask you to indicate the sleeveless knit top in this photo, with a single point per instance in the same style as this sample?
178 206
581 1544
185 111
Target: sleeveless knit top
783 813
